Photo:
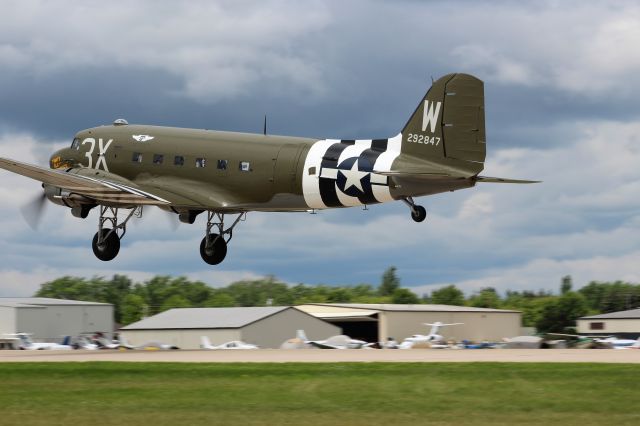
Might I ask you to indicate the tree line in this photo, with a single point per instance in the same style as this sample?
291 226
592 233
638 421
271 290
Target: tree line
545 310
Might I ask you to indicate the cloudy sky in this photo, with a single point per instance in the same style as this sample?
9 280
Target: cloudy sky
562 80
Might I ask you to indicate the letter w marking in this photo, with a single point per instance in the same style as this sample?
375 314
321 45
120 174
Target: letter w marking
430 115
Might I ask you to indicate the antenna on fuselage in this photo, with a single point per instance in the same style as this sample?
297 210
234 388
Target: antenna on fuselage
264 128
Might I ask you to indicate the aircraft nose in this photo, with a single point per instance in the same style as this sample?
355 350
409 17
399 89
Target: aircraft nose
55 160
58 159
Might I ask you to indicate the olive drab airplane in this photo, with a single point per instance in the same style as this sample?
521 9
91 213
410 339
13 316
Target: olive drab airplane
188 172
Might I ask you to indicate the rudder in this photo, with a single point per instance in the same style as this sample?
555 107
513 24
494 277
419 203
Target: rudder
449 123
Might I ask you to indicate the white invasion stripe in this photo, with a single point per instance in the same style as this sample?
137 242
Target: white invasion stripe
354 150
329 173
124 188
377 179
311 184
382 193
347 200
140 192
98 181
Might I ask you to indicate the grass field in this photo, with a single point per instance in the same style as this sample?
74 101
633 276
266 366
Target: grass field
318 394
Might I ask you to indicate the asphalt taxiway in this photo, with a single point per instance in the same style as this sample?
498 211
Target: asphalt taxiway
316 355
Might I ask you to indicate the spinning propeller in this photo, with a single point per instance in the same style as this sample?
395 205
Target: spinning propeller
32 211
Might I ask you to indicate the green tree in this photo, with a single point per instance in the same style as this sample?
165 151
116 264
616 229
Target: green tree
133 308
567 283
448 295
487 298
70 288
339 295
604 297
175 301
219 299
404 296
559 314
390 282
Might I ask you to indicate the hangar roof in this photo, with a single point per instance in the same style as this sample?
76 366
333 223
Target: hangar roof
38 302
410 308
196 318
630 314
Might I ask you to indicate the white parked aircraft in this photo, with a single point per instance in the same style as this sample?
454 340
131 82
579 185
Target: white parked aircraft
334 342
205 343
83 342
26 343
146 346
434 340
616 343
104 343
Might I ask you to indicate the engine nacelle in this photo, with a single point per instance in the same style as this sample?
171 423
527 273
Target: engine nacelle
65 198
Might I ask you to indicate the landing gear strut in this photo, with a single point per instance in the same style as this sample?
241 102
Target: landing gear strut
106 242
213 247
418 213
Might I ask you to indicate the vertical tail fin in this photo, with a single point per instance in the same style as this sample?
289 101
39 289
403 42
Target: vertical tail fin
300 334
448 124
205 343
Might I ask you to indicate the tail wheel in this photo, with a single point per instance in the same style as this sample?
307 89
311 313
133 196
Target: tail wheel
418 213
108 248
215 251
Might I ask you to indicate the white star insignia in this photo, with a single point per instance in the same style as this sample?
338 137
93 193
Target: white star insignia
354 177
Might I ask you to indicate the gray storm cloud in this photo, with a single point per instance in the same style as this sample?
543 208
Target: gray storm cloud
560 80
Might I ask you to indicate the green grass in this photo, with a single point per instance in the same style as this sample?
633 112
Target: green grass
318 394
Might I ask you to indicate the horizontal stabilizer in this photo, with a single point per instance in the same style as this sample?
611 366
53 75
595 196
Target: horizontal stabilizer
411 173
486 179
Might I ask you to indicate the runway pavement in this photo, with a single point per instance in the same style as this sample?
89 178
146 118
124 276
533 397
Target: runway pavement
317 355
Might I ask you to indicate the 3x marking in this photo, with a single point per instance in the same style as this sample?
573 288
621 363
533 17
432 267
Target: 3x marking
102 150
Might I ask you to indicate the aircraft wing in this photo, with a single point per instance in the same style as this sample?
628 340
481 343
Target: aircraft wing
97 188
321 345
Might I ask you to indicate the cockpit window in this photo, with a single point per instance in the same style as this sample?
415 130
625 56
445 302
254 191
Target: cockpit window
75 144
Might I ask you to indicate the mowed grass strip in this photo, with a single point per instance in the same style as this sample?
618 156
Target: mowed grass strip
319 394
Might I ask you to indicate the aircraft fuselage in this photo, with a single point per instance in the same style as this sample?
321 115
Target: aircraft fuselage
252 171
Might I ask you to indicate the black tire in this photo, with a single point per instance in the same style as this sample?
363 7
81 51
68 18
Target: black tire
216 254
418 213
109 248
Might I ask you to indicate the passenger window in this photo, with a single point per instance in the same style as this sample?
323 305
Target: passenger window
158 158
222 164
75 144
137 157
245 166
178 160
201 162
312 171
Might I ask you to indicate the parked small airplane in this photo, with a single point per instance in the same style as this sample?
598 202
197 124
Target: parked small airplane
433 339
617 343
26 343
442 148
334 342
104 343
583 341
153 345
205 343
83 342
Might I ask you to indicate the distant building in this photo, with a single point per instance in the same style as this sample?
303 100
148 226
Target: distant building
267 327
49 320
623 324
377 322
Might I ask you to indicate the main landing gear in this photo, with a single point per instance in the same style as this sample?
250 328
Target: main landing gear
418 213
213 247
106 242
